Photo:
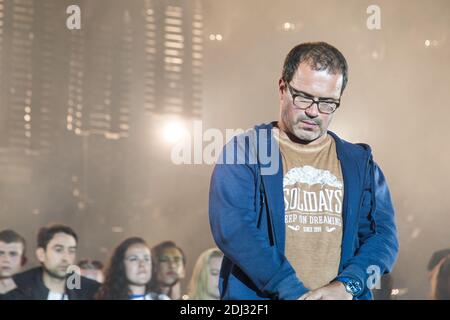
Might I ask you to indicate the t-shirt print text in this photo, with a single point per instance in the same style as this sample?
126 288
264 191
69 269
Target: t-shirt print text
313 200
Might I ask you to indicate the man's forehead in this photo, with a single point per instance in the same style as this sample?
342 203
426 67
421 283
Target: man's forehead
63 239
12 246
317 82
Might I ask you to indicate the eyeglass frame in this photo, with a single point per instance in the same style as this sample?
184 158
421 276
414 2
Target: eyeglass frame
305 96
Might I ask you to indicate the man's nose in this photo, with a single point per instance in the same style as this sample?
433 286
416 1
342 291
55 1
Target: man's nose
313 110
6 260
65 256
142 263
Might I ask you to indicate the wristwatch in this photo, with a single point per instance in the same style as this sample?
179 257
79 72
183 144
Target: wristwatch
352 286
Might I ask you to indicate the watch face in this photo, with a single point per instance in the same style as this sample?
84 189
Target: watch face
354 287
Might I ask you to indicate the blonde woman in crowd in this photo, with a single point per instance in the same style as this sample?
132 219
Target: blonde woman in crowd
204 283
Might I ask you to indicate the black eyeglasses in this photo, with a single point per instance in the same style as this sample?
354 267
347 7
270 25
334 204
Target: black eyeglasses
303 101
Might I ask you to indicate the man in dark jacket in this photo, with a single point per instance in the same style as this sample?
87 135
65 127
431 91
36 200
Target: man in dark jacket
299 212
12 259
54 280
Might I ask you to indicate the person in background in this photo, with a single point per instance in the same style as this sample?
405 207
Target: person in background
129 272
433 266
436 257
169 263
204 284
12 259
53 280
440 280
92 269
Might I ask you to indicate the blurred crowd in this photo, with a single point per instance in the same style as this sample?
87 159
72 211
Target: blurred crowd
135 271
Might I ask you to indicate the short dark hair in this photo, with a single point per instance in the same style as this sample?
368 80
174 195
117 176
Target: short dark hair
10 236
436 257
46 234
319 56
443 280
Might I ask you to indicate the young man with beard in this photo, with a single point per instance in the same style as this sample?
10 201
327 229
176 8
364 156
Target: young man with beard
56 251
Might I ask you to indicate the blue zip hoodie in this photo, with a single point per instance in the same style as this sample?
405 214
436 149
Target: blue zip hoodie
246 212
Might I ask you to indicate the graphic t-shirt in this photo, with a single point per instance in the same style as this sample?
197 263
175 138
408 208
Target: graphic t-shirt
313 196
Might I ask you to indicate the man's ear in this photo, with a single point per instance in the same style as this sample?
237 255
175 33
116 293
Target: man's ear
40 254
281 86
23 259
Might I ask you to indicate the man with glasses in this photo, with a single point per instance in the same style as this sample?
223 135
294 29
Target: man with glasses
323 225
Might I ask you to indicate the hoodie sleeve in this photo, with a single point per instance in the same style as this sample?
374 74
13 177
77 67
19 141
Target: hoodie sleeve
377 232
233 218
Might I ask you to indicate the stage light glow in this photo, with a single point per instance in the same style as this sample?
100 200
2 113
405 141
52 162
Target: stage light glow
117 229
217 37
174 130
288 26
